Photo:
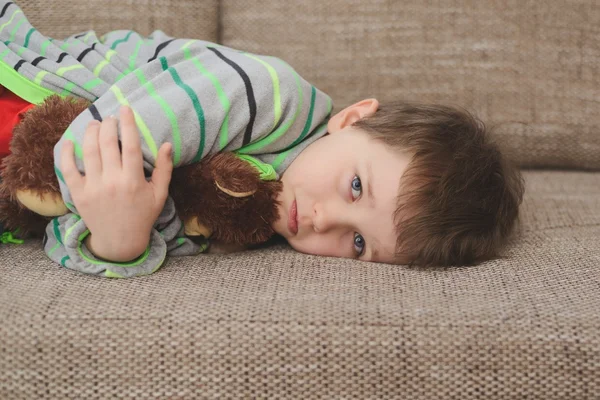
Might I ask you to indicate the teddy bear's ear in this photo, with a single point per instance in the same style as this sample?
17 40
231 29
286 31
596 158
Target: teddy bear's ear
233 175
239 175
234 194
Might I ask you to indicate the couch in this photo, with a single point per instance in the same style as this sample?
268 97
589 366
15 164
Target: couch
274 323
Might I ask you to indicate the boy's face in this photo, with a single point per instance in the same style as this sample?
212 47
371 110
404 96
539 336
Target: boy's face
327 188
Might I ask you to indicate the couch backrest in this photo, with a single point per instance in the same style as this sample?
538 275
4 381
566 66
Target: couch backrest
179 18
530 69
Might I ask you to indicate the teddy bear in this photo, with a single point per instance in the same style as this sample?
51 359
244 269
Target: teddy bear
232 204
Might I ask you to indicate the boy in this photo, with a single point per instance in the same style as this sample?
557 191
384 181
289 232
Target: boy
425 200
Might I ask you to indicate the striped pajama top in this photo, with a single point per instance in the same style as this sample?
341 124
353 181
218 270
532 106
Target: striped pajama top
200 96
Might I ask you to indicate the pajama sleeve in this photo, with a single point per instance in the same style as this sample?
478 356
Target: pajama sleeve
65 236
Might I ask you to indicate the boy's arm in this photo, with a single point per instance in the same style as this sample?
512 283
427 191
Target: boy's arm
114 199
128 222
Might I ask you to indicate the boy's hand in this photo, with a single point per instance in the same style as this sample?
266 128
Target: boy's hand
114 199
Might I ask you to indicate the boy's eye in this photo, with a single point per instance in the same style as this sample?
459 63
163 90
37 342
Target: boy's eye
359 244
356 186
359 241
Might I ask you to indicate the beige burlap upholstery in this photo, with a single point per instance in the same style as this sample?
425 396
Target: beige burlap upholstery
278 324
531 69
274 323
179 18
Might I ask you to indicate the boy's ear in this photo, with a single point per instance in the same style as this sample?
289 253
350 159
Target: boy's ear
351 114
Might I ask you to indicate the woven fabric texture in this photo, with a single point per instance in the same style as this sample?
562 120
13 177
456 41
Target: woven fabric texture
177 18
529 69
279 324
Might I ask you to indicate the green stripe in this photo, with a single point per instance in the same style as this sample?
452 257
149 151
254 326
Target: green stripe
109 274
93 83
225 103
44 47
10 20
116 43
52 250
59 174
139 122
63 70
28 36
282 156
267 140
313 95
64 260
56 230
86 37
104 62
195 102
68 232
109 54
15 29
276 90
65 45
68 135
68 90
266 171
99 67
133 56
39 77
167 110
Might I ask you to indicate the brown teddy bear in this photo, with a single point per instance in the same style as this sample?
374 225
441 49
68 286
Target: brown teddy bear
232 206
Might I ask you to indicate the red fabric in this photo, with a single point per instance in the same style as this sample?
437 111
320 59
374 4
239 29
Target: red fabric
11 109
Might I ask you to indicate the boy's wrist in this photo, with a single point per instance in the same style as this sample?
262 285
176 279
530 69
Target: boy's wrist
115 253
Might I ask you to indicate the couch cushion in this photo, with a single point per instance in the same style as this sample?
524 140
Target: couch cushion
531 69
179 18
274 323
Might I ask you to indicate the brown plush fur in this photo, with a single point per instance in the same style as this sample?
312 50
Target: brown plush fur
243 221
31 162
239 221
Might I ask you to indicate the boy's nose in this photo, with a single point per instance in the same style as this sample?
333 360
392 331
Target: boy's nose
327 216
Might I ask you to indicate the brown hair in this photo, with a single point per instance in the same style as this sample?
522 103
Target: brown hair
459 196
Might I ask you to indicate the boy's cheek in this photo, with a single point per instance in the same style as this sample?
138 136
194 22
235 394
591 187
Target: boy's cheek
278 225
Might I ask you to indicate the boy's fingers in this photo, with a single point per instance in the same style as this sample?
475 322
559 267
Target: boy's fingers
133 159
69 170
109 146
161 176
92 162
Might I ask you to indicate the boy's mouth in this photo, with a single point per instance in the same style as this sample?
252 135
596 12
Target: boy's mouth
293 218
